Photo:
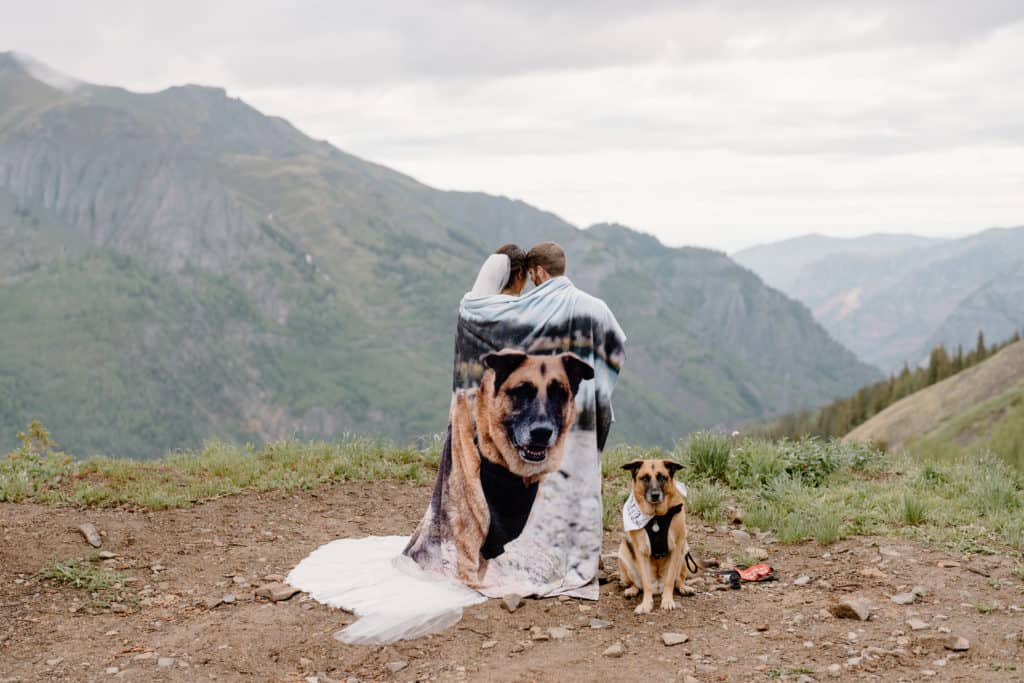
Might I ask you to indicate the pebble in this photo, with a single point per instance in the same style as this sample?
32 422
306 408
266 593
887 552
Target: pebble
834 668
511 602
559 632
229 599
801 580
920 591
276 592
536 633
518 647
948 564
671 639
852 608
111 670
396 666
488 644
600 623
165 662
757 553
904 598
739 535
762 627
55 661
92 536
917 624
872 572
107 555
614 650
957 643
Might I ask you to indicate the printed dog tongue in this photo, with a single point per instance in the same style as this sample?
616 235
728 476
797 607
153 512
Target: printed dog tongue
633 517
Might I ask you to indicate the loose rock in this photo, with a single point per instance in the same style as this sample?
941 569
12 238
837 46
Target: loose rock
600 623
801 580
276 592
396 666
88 530
904 598
757 553
511 602
614 650
165 662
852 608
917 624
957 643
537 633
739 535
107 555
488 644
559 632
671 639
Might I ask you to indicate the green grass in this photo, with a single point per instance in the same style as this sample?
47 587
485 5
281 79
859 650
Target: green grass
82 575
799 491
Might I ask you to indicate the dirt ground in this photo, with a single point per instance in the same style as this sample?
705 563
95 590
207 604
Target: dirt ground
184 561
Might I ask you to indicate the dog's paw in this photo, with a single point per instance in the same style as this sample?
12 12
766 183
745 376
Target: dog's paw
668 604
686 591
631 591
645 607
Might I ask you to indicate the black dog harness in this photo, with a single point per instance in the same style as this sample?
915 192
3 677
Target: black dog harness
509 501
657 531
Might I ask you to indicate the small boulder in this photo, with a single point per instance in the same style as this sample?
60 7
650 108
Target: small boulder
91 534
107 555
600 623
916 624
671 639
559 632
852 608
511 602
615 650
904 598
276 592
957 643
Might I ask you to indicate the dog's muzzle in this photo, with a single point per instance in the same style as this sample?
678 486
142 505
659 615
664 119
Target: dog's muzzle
537 445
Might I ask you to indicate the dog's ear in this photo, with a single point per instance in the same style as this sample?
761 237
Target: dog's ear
504 363
672 467
633 466
577 370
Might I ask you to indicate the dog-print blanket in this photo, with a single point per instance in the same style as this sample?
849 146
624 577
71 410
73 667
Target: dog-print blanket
516 507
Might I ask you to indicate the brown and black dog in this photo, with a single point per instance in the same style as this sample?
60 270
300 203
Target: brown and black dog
506 436
653 558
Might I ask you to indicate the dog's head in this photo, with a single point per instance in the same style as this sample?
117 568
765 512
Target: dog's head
652 480
526 405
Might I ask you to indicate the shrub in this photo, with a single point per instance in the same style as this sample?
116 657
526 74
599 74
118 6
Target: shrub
913 510
706 501
708 455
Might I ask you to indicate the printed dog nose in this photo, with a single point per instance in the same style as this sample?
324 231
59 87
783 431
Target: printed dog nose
540 436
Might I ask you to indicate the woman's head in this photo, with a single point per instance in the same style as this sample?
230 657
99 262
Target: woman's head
517 268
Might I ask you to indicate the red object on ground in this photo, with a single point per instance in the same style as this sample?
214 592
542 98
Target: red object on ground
757 572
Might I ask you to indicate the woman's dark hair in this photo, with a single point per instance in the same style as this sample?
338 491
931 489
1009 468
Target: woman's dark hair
516 259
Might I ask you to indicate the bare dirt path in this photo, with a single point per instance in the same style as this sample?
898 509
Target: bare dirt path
183 561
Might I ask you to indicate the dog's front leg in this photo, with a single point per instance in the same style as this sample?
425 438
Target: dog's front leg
672 570
647 583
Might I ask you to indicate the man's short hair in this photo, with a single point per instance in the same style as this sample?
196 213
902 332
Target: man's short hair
548 255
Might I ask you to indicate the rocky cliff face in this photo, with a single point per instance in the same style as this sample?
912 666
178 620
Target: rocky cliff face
180 266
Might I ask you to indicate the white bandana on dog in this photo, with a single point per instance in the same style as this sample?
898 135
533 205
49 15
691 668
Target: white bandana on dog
634 518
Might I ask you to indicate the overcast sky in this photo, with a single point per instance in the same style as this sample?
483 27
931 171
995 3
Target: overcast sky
720 124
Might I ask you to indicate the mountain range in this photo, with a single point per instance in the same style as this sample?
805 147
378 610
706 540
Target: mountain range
176 266
892 298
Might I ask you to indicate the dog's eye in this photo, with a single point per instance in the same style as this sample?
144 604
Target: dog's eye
661 478
523 392
557 392
645 478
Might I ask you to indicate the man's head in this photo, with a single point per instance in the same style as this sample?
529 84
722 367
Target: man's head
545 261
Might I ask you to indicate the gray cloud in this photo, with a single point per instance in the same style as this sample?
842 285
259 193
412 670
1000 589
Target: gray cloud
720 123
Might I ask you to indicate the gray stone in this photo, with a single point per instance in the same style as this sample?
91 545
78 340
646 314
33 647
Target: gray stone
801 580
600 623
957 643
920 591
165 662
488 644
614 650
852 608
276 592
56 661
559 632
88 530
396 666
904 598
739 535
671 639
229 599
107 555
537 633
916 624
511 602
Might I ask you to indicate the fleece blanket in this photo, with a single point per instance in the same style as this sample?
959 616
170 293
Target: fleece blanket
516 506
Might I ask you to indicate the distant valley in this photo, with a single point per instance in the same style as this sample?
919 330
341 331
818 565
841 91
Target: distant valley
892 298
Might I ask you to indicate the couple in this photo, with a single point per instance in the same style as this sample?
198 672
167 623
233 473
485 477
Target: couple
516 507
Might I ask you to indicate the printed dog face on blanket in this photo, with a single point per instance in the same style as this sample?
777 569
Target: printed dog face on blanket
652 559
526 406
506 436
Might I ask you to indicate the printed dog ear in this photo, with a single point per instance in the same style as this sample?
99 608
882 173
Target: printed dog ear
633 466
672 467
504 363
577 369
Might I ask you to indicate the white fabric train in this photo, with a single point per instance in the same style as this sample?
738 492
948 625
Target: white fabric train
393 598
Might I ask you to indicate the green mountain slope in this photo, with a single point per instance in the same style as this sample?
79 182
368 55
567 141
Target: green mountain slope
176 266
